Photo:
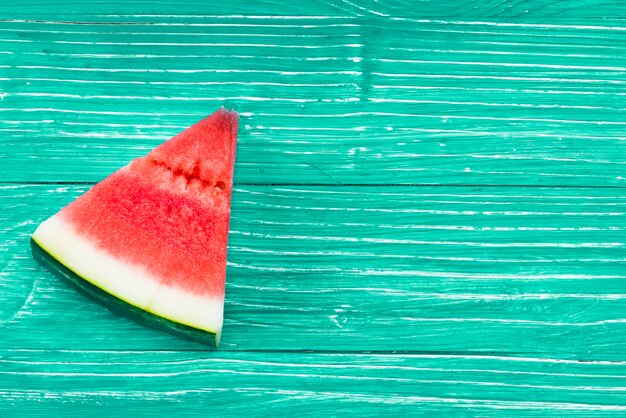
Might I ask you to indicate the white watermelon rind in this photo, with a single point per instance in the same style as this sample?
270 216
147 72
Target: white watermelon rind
131 284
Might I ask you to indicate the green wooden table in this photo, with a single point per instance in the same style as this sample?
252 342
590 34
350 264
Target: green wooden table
429 213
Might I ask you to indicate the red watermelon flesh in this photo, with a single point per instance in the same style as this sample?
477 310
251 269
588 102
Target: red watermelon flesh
154 233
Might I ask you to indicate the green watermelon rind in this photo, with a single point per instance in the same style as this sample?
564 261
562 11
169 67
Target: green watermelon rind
117 304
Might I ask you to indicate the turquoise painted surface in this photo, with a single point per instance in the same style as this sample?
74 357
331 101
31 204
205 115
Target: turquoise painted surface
428 217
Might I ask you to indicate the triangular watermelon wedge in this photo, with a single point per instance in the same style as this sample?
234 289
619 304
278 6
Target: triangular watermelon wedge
154 233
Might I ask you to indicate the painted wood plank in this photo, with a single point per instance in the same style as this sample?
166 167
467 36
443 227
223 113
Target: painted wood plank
509 270
434 101
86 383
140 9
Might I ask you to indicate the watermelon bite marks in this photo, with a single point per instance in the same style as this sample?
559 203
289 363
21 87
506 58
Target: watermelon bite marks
154 233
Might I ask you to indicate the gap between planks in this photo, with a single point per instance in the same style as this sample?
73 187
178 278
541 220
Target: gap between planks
235 184
513 356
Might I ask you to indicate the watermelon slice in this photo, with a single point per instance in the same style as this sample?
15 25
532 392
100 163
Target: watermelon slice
154 233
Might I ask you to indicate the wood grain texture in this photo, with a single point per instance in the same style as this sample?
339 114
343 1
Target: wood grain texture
428 217
338 100
327 268
145 10
183 383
